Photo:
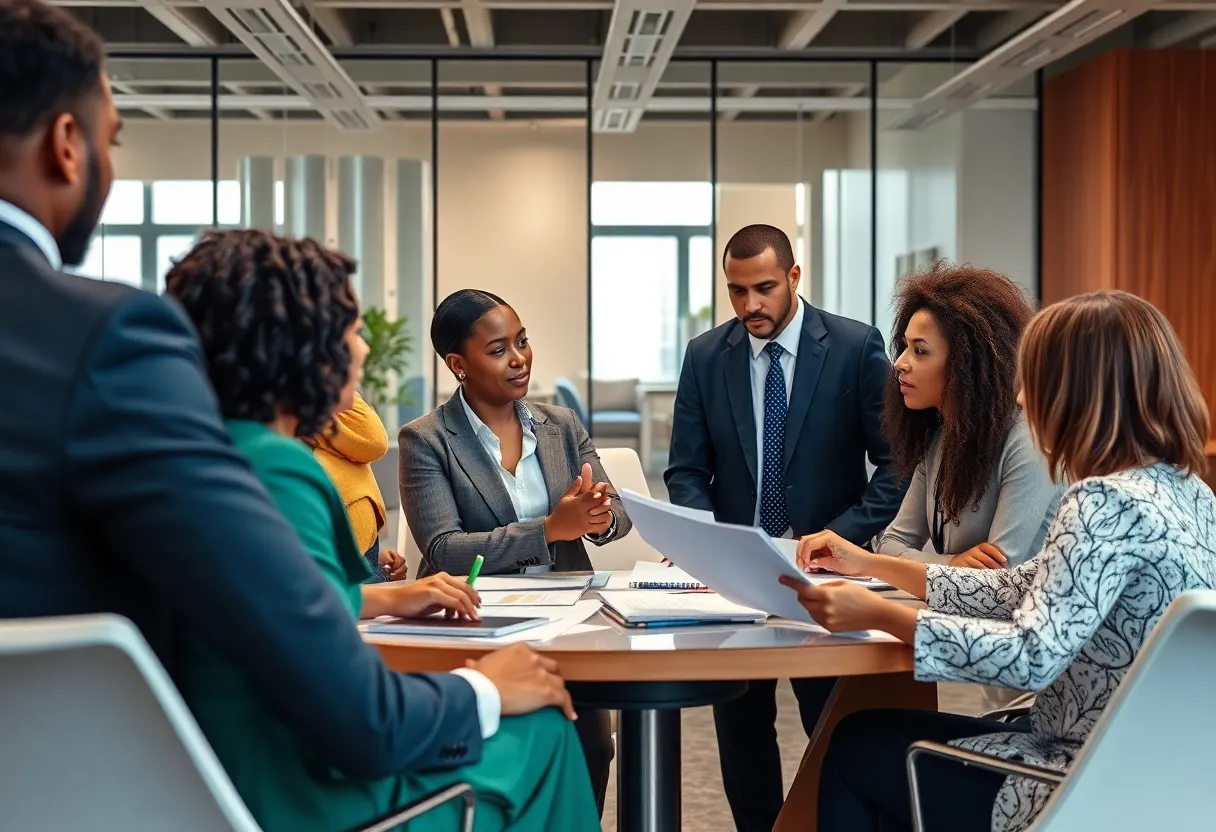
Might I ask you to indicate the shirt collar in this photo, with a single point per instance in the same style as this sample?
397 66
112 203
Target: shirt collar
521 410
789 337
36 231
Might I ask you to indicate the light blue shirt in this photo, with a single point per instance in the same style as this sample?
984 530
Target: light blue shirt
526 487
788 339
10 214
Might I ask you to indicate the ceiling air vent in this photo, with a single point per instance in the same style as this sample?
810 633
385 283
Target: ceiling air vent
274 31
640 41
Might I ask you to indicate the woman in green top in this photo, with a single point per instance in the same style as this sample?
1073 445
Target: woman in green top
279 325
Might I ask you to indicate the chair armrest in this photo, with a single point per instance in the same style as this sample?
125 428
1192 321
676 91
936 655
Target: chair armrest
969 758
459 791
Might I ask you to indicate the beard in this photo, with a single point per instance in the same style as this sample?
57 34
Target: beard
74 241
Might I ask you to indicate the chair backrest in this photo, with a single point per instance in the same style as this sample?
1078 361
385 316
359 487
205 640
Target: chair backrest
1147 764
93 735
624 470
567 395
406 546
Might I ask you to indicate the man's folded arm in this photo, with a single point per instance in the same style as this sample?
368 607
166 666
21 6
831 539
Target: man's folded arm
152 474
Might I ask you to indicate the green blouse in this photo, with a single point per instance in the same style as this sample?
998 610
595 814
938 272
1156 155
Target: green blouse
285 786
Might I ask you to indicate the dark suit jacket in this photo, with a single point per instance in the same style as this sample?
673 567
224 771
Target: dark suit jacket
121 492
458 508
833 422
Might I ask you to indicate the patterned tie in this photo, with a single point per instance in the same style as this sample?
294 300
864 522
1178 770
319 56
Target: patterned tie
774 515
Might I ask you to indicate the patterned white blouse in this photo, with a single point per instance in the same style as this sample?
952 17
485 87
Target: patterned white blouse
1070 621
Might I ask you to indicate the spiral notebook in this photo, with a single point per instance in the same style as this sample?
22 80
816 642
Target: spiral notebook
649 575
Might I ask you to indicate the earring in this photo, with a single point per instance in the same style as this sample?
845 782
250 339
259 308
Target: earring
460 376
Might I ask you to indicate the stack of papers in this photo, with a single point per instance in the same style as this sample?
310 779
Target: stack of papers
642 609
561 621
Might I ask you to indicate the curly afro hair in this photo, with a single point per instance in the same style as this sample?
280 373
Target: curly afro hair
982 315
272 314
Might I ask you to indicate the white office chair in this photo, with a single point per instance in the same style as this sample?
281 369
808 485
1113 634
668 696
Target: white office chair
624 470
94 735
406 546
1143 766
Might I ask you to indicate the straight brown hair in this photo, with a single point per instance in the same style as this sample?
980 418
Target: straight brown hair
1107 387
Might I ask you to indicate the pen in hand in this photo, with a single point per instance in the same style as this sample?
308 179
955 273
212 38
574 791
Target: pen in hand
476 570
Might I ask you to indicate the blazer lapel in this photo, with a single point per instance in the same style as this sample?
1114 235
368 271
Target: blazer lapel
738 371
807 367
475 462
552 455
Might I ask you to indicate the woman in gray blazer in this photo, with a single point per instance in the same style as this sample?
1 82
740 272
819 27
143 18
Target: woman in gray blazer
979 490
491 474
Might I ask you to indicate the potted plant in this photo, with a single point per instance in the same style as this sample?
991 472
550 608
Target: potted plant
390 346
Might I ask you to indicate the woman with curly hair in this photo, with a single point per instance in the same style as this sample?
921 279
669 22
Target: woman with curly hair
279 326
979 490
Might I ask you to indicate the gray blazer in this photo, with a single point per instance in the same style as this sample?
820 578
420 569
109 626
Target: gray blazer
457 507
1014 514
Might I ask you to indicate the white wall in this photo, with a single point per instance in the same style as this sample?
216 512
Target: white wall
964 185
512 198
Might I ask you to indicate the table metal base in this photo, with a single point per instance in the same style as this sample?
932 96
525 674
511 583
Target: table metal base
648 743
648 771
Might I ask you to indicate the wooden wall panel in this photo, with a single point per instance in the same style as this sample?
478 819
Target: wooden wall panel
1080 146
1166 236
1129 189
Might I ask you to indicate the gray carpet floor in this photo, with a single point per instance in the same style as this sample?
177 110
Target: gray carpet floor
704 805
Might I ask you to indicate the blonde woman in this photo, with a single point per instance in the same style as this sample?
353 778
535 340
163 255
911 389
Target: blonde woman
346 453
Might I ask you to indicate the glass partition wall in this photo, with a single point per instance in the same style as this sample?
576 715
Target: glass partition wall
497 173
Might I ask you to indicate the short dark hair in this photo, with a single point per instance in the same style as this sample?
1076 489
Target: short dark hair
272 314
753 240
456 317
982 315
49 63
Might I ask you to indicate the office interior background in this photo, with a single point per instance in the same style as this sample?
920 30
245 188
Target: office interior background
588 159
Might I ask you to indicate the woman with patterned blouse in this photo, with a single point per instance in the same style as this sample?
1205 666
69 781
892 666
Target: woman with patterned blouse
1114 407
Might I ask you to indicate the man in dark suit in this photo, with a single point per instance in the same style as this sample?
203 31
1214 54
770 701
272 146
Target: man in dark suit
775 415
120 491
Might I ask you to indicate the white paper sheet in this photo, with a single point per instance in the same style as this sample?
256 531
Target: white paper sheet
789 550
739 562
548 581
525 598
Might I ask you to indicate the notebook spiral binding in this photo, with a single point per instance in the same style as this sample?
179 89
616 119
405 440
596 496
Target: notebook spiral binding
665 585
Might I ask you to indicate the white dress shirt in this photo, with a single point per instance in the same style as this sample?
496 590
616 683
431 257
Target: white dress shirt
526 487
788 339
10 214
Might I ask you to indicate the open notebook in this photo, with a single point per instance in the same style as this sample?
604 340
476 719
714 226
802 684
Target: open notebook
650 575
651 609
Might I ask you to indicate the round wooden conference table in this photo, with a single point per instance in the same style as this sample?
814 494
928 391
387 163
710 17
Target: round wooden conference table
649 675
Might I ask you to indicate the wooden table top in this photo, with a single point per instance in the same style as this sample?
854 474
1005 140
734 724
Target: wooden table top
610 653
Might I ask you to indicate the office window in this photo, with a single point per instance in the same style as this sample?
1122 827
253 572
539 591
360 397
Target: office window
651 203
651 265
125 205
117 257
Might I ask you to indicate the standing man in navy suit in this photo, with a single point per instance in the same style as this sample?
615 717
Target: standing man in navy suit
775 415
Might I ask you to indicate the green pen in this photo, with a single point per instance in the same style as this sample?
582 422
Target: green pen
473 573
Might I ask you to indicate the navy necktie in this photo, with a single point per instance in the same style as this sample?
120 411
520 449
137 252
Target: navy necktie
774 514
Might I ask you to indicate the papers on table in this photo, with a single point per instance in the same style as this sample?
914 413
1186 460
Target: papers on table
789 549
640 608
651 575
739 562
533 583
561 621
526 598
